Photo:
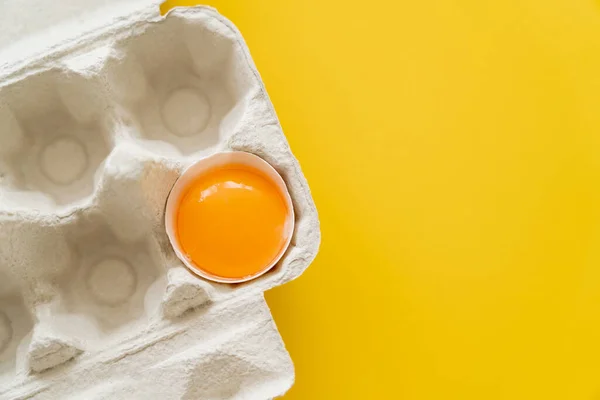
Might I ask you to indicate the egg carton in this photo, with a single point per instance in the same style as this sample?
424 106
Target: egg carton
95 128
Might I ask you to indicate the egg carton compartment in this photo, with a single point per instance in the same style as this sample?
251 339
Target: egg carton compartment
93 137
107 284
54 140
15 331
174 84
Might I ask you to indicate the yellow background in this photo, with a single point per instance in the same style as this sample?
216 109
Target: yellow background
453 151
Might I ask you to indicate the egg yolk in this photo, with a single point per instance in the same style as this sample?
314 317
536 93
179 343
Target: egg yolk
231 222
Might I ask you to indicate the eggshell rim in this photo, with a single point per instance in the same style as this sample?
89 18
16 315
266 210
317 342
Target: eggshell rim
203 165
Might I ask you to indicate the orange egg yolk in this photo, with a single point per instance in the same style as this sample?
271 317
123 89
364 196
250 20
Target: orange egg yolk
231 222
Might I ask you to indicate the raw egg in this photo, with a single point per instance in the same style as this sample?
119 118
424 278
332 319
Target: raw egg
230 217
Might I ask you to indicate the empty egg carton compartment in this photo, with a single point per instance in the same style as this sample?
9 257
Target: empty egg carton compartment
176 84
93 136
54 139
107 282
15 327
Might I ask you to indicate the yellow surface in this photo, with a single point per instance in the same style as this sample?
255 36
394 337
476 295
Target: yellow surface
453 150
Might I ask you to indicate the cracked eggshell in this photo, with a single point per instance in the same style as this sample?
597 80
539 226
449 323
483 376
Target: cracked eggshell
201 167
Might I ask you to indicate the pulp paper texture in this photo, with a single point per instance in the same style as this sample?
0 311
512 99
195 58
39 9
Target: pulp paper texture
94 131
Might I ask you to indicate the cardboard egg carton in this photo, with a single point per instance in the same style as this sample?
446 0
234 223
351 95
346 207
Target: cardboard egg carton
97 121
